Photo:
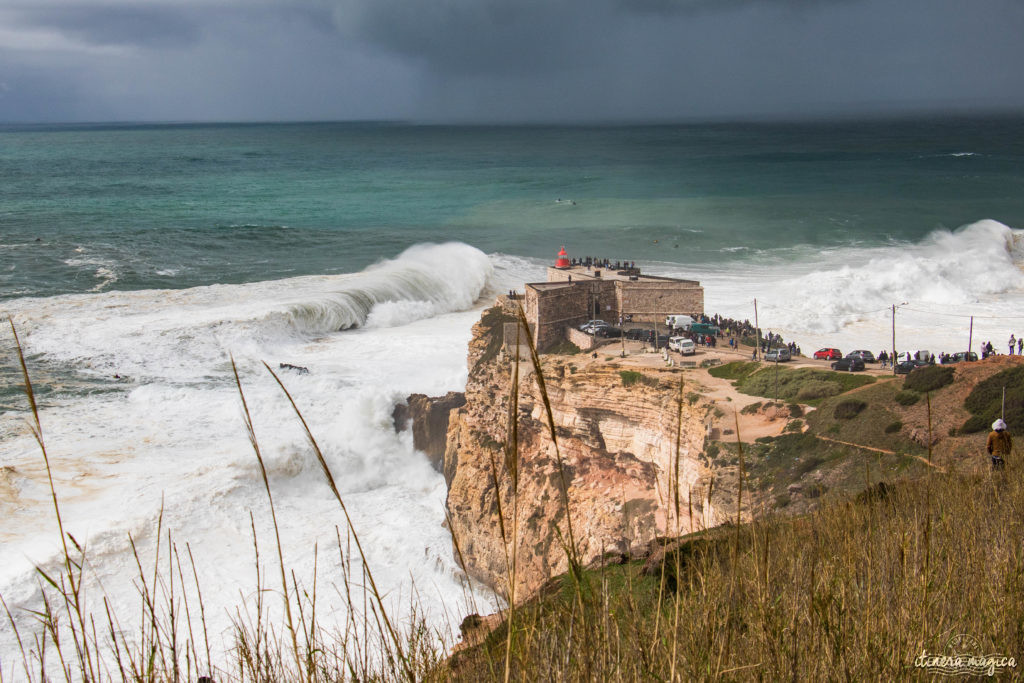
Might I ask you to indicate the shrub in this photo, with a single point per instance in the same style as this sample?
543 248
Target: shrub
751 409
849 409
630 377
985 402
794 426
975 423
929 378
893 427
564 348
692 397
734 371
907 398
795 410
818 388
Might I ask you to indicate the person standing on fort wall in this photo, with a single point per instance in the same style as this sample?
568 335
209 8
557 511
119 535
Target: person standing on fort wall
999 444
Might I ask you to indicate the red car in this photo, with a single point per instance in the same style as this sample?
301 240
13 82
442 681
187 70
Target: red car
828 354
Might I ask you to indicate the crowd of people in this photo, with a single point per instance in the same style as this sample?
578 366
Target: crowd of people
598 262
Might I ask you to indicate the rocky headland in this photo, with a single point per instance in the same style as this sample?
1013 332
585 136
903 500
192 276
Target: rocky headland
623 442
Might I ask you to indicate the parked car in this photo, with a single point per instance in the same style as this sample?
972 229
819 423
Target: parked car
905 367
828 354
638 333
921 355
849 364
683 345
778 355
610 332
961 356
591 326
865 356
662 339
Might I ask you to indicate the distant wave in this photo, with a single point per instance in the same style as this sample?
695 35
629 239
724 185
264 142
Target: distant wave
423 281
977 262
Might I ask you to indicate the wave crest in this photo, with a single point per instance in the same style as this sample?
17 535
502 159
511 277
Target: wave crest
423 281
974 262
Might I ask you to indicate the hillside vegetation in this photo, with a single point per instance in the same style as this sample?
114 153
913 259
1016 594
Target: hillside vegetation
856 590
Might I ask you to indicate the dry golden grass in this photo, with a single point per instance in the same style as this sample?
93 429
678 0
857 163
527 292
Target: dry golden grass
853 591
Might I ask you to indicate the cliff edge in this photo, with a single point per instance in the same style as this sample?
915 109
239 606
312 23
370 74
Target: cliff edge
617 436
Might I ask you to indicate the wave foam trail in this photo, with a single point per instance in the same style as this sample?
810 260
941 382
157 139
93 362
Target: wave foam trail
424 281
948 268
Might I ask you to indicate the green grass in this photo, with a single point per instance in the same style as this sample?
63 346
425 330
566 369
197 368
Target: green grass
907 398
734 371
803 385
985 402
632 377
929 378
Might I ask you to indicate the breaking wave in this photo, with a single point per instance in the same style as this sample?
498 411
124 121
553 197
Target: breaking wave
980 262
423 281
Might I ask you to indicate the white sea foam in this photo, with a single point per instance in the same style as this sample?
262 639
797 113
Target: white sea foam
174 435
845 296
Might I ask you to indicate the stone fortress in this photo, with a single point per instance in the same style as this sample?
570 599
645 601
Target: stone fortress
617 292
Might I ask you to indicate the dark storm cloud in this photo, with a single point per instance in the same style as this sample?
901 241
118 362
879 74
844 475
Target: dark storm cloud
510 59
698 58
152 27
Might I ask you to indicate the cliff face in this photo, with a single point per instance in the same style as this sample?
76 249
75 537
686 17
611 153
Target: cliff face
618 448
428 419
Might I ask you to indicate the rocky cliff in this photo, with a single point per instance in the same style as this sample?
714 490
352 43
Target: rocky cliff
428 418
619 453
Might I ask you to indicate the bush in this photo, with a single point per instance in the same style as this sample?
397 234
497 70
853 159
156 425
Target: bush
794 426
795 410
564 348
986 401
630 377
751 409
849 409
907 398
818 388
734 371
975 423
929 378
893 427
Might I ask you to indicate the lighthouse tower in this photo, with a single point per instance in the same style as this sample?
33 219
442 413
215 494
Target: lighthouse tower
563 259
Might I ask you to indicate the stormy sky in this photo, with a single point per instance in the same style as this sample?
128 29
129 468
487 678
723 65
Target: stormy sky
506 60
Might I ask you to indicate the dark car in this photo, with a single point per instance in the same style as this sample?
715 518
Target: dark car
610 332
849 364
661 341
865 356
907 366
962 356
638 333
828 354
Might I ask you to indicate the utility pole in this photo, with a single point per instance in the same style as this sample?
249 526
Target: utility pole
894 339
970 339
757 334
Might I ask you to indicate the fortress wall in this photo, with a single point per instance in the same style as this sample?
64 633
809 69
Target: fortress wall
651 301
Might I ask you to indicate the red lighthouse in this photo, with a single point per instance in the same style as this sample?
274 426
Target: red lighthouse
563 259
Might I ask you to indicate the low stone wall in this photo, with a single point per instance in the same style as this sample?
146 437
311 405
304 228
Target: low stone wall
585 341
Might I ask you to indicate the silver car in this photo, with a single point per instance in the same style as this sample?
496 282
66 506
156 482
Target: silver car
778 355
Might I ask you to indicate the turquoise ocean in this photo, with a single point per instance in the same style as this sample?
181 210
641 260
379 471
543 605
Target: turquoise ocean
135 258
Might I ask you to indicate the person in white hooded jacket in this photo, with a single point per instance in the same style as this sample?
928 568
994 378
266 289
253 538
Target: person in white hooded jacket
999 444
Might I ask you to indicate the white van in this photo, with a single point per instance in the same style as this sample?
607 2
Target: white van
683 345
678 320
